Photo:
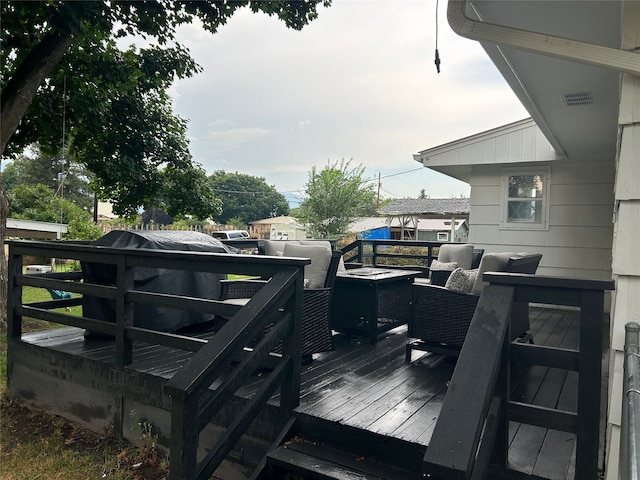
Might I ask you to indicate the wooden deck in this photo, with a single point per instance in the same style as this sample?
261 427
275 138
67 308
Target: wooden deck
370 402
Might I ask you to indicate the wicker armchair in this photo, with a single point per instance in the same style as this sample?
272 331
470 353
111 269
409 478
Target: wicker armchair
316 330
440 317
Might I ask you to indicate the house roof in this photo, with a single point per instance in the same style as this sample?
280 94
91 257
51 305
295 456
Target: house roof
427 207
281 220
516 142
35 229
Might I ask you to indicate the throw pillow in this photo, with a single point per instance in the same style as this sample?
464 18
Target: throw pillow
320 256
448 266
461 280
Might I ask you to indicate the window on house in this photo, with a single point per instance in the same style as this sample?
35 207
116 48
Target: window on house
525 200
443 236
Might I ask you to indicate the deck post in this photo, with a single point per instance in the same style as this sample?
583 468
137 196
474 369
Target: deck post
590 372
292 345
184 435
124 344
14 295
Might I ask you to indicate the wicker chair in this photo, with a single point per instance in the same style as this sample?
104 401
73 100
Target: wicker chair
440 277
440 317
316 330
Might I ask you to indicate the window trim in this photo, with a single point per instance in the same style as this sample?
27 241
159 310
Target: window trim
545 173
445 235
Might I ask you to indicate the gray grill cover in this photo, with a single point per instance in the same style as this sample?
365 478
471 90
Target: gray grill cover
176 282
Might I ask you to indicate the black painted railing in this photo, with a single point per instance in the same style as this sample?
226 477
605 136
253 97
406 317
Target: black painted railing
401 254
471 434
222 361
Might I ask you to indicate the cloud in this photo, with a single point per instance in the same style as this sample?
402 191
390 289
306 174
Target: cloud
358 82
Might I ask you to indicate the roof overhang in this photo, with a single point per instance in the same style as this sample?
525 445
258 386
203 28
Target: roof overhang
522 140
574 101
35 229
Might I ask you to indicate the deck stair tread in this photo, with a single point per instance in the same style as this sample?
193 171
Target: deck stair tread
316 461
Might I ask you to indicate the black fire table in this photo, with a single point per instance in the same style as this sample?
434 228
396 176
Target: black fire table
369 301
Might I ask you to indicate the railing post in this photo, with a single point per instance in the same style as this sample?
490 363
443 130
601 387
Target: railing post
14 295
183 458
290 388
123 344
629 462
590 375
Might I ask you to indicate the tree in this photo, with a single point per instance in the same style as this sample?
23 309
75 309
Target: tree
246 198
334 197
35 38
68 179
39 202
37 35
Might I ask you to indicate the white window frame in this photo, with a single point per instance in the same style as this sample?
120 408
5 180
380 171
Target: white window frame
505 223
443 236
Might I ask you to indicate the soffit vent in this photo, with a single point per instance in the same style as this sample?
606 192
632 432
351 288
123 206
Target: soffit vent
577 98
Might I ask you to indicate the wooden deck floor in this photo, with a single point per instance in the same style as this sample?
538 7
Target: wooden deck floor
371 387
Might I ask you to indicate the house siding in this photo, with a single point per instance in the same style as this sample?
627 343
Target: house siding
626 261
578 240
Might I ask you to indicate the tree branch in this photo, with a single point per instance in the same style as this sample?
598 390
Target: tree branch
22 87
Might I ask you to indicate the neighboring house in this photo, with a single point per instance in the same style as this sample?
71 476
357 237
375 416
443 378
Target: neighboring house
384 228
407 212
567 183
278 228
105 212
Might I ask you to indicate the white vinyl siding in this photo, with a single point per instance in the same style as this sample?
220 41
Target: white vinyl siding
577 242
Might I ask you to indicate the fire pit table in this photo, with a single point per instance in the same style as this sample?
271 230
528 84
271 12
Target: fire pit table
369 301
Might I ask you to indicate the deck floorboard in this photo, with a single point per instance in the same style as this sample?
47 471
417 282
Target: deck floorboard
371 387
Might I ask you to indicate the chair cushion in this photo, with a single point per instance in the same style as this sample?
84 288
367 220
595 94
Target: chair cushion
491 262
320 256
461 253
447 266
272 247
461 280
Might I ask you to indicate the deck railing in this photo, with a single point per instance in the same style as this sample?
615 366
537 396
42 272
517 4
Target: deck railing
471 437
222 361
630 418
403 254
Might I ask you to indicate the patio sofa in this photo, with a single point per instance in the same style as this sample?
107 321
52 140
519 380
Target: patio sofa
319 279
441 315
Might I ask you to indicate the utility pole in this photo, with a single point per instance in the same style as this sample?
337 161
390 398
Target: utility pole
378 195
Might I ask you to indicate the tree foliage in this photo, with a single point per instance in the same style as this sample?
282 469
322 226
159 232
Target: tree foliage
120 121
39 202
246 198
68 179
334 197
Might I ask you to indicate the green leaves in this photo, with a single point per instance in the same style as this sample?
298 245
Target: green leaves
246 198
335 196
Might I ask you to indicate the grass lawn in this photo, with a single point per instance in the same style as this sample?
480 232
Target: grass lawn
34 445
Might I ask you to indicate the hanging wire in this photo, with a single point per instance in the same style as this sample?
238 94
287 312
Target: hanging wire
437 60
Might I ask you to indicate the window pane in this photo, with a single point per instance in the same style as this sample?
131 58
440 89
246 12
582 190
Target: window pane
525 186
525 211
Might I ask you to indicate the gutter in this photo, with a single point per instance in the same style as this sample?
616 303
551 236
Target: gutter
611 58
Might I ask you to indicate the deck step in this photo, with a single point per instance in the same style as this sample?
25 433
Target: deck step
306 460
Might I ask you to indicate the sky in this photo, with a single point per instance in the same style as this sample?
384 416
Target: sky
358 83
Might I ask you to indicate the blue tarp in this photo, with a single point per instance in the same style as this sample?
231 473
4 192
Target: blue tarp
382 233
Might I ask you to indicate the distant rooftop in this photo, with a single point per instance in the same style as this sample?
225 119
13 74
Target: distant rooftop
427 206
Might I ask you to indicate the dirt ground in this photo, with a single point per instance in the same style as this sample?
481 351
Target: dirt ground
19 425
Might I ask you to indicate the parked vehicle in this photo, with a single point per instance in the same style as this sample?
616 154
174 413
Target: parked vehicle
230 234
